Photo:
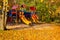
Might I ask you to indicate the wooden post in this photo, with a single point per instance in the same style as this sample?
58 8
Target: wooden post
4 13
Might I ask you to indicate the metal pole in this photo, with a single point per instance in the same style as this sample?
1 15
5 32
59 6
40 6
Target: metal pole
16 12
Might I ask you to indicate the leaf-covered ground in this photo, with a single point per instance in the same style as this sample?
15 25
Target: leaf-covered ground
39 32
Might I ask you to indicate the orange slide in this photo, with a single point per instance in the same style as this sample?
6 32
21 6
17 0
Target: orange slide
35 18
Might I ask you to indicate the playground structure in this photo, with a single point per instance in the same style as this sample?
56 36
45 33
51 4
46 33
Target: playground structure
25 17
14 15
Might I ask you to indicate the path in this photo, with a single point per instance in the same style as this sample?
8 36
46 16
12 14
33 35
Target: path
22 26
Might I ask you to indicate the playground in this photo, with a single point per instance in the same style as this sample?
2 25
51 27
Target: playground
15 14
29 19
29 13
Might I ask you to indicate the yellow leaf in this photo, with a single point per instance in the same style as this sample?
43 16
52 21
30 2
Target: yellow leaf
42 0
